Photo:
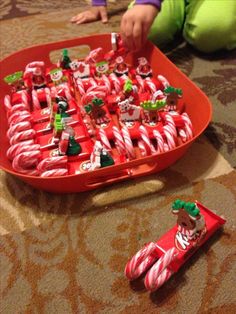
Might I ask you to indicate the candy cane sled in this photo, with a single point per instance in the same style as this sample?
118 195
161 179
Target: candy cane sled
163 258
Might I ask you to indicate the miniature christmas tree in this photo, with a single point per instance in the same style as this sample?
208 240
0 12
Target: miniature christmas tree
65 62
106 159
74 148
128 86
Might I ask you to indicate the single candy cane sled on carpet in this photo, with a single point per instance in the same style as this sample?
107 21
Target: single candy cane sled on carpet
196 224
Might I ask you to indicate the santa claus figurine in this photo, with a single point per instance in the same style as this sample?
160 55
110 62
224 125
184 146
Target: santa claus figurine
121 68
144 69
38 78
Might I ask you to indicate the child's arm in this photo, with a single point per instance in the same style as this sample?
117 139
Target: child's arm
98 11
136 22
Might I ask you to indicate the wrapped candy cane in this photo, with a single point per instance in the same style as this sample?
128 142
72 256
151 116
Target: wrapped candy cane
159 273
106 82
12 150
15 108
169 136
115 82
188 125
54 173
24 98
88 97
92 56
128 143
97 88
67 91
35 100
15 128
170 122
163 80
35 64
159 140
104 140
182 135
150 84
27 148
52 162
119 141
48 96
15 115
22 136
7 102
26 161
21 118
145 137
141 261
140 83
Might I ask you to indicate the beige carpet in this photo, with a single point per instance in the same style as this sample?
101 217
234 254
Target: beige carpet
66 253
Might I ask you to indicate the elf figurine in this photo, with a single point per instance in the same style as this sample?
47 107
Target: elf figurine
57 76
173 96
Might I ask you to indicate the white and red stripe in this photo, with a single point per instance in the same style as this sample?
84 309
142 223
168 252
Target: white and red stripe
119 141
128 143
22 136
104 140
145 137
52 162
54 173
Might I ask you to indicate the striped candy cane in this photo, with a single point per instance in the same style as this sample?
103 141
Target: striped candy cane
7 102
159 140
141 261
15 115
80 86
128 143
145 137
22 136
12 150
151 85
182 135
159 273
52 162
140 83
15 128
24 98
158 95
35 100
104 140
54 173
163 80
106 82
116 82
142 148
15 108
119 141
188 125
25 161
170 122
169 136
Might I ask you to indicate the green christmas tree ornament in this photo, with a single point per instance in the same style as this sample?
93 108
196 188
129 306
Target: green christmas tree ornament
74 148
106 159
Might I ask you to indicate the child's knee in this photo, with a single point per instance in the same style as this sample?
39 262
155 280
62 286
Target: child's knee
211 35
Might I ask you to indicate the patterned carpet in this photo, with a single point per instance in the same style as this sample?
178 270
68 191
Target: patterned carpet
66 253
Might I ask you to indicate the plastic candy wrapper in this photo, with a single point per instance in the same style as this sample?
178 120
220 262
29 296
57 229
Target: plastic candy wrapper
94 112
161 259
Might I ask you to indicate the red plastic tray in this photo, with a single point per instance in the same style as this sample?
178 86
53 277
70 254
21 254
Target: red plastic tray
198 108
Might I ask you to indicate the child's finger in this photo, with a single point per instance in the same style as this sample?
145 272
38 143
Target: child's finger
129 35
137 35
75 18
81 20
103 13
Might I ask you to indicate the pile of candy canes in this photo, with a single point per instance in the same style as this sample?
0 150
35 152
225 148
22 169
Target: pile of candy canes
82 115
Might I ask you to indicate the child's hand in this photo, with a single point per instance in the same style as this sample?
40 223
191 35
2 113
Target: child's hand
135 25
91 15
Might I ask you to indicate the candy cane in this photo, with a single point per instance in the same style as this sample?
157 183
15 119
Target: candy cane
182 135
16 114
20 118
141 261
27 148
24 98
92 56
163 80
151 85
158 95
159 273
119 141
35 100
128 143
170 121
52 162
80 86
91 95
67 92
169 136
12 150
103 137
115 81
159 140
145 137
25 161
188 125
54 173
7 102
140 82
106 82
15 108
48 96
35 64
142 148
22 136
15 128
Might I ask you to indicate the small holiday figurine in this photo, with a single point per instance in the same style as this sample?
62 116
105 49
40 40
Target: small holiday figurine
15 80
173 95
128 111
57 76
97 113
190 221
100 157
102 67
195 225
62 107
65 60
144 69
121 68
150 110
80 69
